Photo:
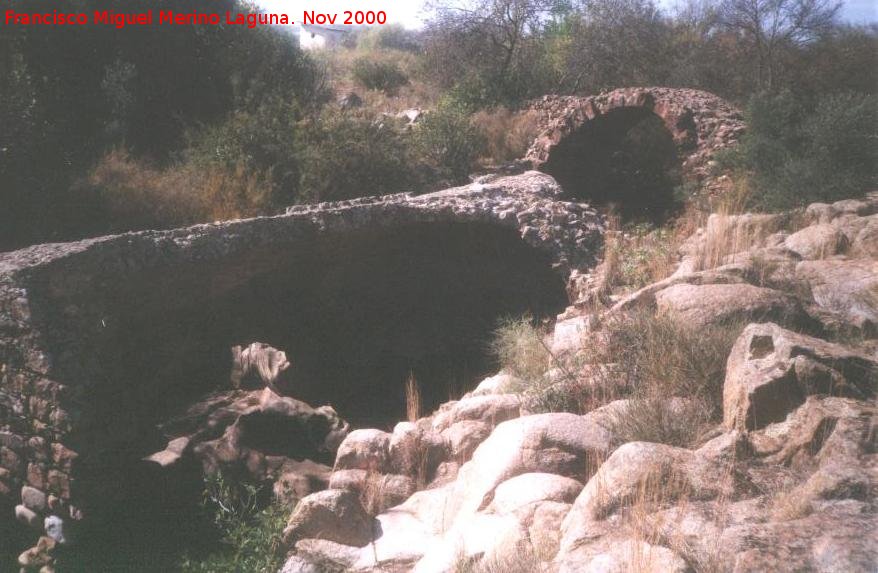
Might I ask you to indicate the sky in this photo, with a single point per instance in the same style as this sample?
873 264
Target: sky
410 13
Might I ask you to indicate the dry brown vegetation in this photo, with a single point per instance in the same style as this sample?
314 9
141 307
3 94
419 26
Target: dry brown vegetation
508 134
137 195
412 398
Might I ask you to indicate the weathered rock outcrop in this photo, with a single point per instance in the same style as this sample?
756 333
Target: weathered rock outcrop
771 371
786 481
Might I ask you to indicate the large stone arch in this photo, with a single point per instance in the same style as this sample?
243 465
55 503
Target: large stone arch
101 338
573 145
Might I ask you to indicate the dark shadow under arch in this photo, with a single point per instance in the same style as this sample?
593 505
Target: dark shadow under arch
626 158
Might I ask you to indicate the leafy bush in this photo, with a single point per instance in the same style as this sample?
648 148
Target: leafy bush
250 535
383 75
264 138
797 152
449 141
349 155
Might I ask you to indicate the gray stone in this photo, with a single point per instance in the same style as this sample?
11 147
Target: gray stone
34 499
55 528
27 517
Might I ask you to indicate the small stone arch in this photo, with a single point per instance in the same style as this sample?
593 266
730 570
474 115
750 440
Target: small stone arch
582 136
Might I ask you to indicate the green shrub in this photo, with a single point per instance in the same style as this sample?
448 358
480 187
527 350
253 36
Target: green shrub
449 141
348 155
796 152
383 75
250 535
263 139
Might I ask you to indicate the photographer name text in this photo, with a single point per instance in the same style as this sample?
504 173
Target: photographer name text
191 18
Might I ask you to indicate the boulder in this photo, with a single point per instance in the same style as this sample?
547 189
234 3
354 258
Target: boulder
482 537
28 517
416 450
568 334
770 372
631 555
864 239
257 366
297 564
817 241
644 473
297 479
333 515
523 493
34 499
256 432
364 450
558 443
699 306
381 490
501 383
464 437
846 287
56 529
839 538
491 409
41 555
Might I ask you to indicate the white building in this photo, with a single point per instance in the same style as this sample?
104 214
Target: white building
313 36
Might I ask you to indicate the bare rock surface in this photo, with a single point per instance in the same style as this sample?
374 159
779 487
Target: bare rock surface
771 371
333 515
704 305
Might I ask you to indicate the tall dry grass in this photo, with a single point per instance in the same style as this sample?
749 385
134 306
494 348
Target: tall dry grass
673 375
508 134
136 195
412 398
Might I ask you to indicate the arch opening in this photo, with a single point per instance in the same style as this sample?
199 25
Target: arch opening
625 158
356 312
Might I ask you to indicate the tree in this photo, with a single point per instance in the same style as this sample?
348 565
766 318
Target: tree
770 26
494 41
618 43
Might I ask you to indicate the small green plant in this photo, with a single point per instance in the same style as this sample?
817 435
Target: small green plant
250 533
381 75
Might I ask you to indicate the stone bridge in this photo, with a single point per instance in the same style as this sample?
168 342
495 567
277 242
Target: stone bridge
581 133
103 339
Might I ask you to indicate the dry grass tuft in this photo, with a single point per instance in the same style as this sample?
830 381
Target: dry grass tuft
655 418
138 196
523 558
664 357
508 134
412 398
